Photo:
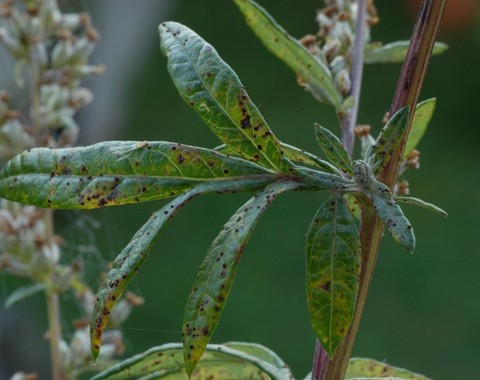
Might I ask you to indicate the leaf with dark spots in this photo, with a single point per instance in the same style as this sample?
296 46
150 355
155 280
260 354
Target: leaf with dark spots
215 275
374 369
333 267
219 98
392 216
121 172
379 154
384 204
127 264
233 360
333 149
311 72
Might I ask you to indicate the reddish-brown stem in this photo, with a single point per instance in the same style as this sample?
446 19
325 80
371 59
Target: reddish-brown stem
407 92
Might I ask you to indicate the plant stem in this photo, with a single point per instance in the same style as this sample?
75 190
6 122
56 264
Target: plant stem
54 334
356 75
407 92
348 124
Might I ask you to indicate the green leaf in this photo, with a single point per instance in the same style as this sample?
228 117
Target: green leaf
333 148
394 52
235 360
294 154
22 293
379 154
121 172
419 202
128 263
421 119
214 90
322 181
369 369
384 205
216 274
392 216
333 265
312 73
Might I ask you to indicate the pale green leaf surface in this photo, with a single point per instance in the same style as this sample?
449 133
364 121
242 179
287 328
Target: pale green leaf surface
121 172
213 89
369 369
423 204
379 154
295 155
216 274
392 216
333 149
220 362
384 205
394 52
333 266
321 180
421 119
22 293
311 72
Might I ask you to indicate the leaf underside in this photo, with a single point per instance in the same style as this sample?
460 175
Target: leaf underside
121 172
418 202
384 205
216 274
369 368
215 92
392 216
233 360
312 73
332 271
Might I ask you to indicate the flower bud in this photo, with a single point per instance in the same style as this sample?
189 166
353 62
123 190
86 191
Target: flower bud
344 83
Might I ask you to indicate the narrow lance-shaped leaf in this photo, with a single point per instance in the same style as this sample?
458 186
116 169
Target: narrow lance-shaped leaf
215 276
418 202
214 90
233 360
120 172
385 206
421 119
333 148
395 52
128 263
312 73
369 368
379 154
332 271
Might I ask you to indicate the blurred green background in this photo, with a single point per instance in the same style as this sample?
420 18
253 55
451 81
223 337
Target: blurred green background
423 311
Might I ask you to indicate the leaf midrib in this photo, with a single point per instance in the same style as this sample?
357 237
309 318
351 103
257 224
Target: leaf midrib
179 44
